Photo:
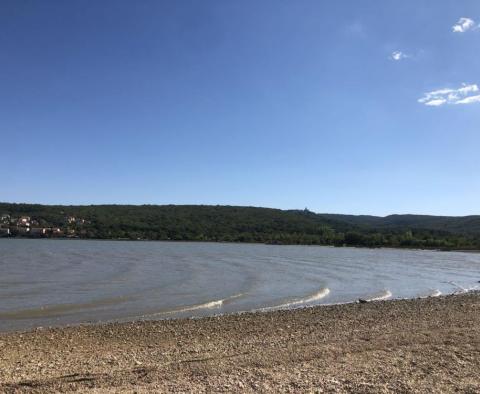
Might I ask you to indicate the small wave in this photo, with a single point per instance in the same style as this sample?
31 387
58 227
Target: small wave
386 294
206 305
215 304
473 288
307 300
462 289
435 293
57 310
430 293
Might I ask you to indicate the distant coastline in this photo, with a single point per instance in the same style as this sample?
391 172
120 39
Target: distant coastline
239 225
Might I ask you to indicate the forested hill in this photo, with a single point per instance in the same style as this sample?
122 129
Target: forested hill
242 224
452 224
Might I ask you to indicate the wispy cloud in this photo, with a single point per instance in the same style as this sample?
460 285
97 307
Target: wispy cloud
470 100
356 29
467 94
398 55
463 25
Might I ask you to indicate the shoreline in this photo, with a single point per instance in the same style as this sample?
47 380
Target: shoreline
414 345
462 250
261 310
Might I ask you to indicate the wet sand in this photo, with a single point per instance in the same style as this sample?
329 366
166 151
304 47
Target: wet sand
423 345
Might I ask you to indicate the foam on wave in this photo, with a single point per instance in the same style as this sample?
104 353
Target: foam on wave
462 289
435 293
386 294
206 305
215 304
306 300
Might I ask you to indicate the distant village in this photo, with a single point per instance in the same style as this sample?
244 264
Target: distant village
26 226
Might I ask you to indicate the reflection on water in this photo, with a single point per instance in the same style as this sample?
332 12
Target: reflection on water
55 282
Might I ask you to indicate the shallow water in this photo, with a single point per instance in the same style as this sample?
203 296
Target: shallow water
58 282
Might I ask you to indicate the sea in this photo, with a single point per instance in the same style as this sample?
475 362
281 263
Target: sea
66 282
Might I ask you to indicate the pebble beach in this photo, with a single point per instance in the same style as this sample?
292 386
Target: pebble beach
411 346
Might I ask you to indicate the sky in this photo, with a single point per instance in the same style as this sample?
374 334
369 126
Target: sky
358 107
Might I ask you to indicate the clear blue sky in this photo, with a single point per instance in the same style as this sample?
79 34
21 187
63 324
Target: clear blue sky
364 107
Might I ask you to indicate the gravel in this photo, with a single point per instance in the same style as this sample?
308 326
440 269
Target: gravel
421 345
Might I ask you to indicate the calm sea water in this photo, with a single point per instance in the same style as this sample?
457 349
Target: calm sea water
58 282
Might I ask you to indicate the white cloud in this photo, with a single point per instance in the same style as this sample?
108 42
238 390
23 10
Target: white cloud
469 100
462 95
463 25
466 89
398 55
436 102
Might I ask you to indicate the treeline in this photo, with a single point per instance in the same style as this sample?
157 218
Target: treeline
244 224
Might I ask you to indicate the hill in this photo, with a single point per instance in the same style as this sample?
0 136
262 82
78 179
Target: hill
454 224
242 224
